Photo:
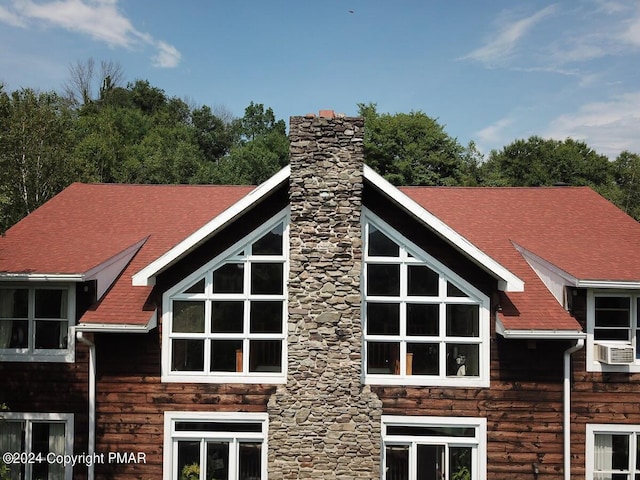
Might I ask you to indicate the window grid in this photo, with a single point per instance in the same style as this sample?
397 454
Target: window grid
36 333
256 337
448 295
612 451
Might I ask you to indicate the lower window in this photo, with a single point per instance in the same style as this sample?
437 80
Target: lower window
442 448
43 438
219 446
613 452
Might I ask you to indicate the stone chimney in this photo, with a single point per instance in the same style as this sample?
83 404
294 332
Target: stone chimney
324 423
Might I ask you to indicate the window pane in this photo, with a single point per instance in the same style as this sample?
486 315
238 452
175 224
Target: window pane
397 462
423 359
226 355
265 356
188 460
383 358
383 279
14 333
462 360
422 281
423 319
197 287
612 312
249 456
430 461
266 278
380 245
266 317
460 462
51 303
227 317
210 426
621 334
187 355
383 318
462 320
431 431
217 460
45 438
620 457
188 317
453 291
229 278
51 334
14 303
271 243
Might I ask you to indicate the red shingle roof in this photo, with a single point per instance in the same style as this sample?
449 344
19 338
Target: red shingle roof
573 228
85 225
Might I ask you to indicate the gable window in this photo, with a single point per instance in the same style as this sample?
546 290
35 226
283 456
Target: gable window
447 448
226 323
207 445
613 452
43 437
612 330
35 323
423 324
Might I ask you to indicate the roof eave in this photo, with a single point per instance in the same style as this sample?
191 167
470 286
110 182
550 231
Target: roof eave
538 334
146 276
507 281
119 328
43 277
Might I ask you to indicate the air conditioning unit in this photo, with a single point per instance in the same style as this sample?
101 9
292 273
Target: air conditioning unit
615 353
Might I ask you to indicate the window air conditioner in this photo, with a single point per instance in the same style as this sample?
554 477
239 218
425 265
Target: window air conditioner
615 353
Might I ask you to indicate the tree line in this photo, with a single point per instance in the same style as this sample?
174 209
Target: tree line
135 133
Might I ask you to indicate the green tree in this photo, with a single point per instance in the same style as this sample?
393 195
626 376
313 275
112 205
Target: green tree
626 173
537 162
413 149
35 145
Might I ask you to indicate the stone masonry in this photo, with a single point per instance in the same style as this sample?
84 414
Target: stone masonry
324 423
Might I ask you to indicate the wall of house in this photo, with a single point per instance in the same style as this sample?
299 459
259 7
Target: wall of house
324 423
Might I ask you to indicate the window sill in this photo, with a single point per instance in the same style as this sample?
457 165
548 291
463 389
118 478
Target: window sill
61 357
197 377
595 366
427 381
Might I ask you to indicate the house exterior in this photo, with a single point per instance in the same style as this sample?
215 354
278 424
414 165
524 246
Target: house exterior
324 324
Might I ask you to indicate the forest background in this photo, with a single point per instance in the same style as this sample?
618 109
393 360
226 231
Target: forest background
100 129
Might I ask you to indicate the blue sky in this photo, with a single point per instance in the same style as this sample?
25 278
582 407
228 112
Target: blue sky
491 72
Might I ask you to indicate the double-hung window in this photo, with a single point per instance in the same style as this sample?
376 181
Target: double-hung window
43 439
613 452
227 321
423 323
207 445
35 322
443 448
612 330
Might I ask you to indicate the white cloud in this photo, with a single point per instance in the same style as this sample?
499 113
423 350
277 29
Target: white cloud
98 19
502 46
168 56
494 133
10 18
608 127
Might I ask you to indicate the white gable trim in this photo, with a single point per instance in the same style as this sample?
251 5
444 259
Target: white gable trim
146 276
508 281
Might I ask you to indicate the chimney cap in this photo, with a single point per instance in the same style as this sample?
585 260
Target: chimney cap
327 114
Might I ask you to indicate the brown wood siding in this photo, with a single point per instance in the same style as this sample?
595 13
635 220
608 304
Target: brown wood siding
39 387
523 407
131 401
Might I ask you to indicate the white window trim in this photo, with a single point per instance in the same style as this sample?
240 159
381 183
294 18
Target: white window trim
170 376
479 454
591 431
170 455
594 365
66 418
478 297
67 355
